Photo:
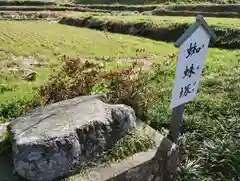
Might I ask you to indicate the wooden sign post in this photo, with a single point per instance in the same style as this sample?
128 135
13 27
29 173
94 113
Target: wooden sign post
193 45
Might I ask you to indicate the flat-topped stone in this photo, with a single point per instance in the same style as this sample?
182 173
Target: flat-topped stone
52 141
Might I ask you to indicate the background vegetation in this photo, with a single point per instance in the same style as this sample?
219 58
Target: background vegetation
153 1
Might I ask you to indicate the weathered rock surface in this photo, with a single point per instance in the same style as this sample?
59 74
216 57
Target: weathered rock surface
50 142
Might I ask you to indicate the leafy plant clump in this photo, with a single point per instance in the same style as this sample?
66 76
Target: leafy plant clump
74 79
79 78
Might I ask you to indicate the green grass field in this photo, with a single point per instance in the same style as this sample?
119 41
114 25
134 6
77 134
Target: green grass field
210 143
47 43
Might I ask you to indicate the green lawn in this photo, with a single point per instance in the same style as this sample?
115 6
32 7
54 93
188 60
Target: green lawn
47 40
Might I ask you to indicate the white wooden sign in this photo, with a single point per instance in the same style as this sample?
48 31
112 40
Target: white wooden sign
193 46
193 50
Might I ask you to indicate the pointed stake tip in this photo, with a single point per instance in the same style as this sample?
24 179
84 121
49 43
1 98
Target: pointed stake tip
199 17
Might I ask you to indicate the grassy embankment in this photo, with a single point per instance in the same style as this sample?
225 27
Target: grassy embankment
165 28
156 21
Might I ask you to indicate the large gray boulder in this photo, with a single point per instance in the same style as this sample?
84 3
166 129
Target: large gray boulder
52 141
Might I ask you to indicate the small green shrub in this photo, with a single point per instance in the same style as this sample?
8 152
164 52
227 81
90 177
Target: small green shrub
15 108
78 78
127 87
74 79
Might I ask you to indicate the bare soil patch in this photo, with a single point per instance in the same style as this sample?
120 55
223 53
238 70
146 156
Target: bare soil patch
23 66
